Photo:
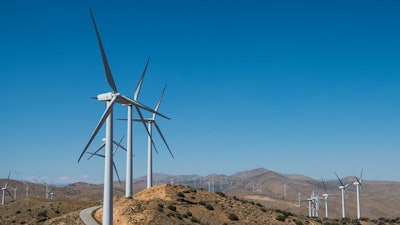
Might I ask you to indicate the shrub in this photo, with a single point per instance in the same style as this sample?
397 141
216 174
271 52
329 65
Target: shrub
281 217
188 213
221 194
179 216
232 216
180 194
18 212
194 220
298 222
202 203
42 214
209 207
171 207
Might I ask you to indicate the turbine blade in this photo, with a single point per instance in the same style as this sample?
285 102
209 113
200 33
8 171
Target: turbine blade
9 193
324 185
116 171
139 86
8 178
103 56
126 100
102 120
159 102
361 174
147 130
96 154
358 180
92 154
162 136
118 144
339 180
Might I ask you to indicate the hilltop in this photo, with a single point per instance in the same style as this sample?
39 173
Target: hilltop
173 204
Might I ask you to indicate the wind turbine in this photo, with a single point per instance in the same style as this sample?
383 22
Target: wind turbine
48 189
343 188
4 189
358 188
110 98
326 195
118 144
150 122
150 143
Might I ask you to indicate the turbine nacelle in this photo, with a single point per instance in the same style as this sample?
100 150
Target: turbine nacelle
105 97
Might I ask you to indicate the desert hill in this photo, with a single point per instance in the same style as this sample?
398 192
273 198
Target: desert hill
173 204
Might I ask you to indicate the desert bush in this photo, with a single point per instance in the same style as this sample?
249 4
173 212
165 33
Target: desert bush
180 194
169 214
259 204
202 203
188 213
281 217
171 207
298 222
18 212
42 214
209 207
232 216
194 220
221 194
179 216
356 222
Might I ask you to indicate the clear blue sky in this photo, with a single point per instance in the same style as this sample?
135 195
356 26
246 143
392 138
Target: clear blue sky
307 87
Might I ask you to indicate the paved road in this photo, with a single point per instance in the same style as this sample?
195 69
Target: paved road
86 215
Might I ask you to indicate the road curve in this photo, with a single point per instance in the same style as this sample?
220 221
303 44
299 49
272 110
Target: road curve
86 215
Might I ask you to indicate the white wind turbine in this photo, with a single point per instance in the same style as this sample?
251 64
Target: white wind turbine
4 189
326 195
48 190
110 98
118 144
150 143
343 188
358 188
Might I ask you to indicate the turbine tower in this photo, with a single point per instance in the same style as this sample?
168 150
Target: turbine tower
129 145
110 98
358 188
326 195
343 188
4 189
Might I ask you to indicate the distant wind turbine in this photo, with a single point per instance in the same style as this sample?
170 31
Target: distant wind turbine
118 144
326 195
358 188
4 189
343 188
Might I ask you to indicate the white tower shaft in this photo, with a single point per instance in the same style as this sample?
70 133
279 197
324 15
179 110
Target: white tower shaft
343 202
149 158
108 172
358 201
129 155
